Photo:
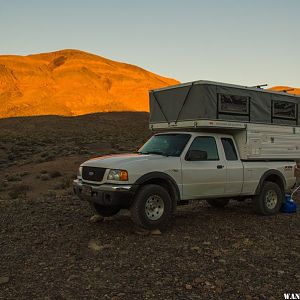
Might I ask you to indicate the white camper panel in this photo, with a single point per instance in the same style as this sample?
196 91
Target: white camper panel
267 142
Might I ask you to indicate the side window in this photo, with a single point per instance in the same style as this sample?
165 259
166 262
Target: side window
284 110
232 104
229 149
207 145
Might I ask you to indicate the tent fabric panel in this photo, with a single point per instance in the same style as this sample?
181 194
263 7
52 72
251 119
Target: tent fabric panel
260 107
170 102
156 114
200 104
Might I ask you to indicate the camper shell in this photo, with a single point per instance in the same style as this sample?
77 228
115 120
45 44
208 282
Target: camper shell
264 123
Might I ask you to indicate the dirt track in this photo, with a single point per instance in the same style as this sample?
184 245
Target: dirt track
50 250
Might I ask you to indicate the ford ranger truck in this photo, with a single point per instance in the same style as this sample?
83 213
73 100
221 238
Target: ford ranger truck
174 167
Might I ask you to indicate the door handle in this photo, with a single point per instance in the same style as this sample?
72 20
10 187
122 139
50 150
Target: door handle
220 166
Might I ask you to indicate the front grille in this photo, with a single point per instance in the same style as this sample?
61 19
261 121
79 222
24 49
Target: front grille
92 173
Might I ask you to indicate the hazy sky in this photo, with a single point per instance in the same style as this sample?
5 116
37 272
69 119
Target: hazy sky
237 41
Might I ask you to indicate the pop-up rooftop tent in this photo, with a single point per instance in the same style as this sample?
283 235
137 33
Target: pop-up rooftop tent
266 123
205 100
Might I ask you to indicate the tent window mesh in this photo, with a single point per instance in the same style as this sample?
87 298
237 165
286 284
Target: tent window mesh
232 104
284 110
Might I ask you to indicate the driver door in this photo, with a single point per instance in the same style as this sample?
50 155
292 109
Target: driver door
205 176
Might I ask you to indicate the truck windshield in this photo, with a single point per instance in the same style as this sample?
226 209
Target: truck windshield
166 144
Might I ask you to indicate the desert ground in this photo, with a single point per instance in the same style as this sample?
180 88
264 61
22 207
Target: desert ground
50 248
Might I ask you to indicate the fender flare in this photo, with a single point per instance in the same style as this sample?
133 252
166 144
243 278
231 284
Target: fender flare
160 176
266 175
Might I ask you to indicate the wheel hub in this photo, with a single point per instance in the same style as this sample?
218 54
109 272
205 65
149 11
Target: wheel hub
154 207
271 199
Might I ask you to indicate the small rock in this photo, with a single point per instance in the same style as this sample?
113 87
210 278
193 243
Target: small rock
141 231
198 280
121 294
221 271
72 277
155 232
188 286
4 279
206 243
97 269
217 253
45 177
96 219
94 246
195 248
223 261
220 282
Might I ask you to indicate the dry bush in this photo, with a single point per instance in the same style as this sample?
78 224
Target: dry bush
55 174
18 190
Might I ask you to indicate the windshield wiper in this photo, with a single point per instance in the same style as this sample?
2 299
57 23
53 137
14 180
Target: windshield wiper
153 152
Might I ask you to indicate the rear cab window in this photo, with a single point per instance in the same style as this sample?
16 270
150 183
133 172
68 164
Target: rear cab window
229 149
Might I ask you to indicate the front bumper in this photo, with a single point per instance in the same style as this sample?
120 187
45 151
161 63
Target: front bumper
105 194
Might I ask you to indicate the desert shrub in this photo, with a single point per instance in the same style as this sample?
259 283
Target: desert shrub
50 194
49 158
25 173
59 186
18 190
13 177
45 177
54 174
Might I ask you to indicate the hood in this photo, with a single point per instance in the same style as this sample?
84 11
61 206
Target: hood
120 161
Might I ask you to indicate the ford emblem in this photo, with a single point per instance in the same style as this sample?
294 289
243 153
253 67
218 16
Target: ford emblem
91 173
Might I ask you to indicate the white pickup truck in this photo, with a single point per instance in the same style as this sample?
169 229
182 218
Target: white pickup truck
174 167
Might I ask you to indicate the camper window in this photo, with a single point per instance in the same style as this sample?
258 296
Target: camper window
232 104
284 110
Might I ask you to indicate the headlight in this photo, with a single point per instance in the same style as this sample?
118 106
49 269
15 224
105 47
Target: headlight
118 175
79 173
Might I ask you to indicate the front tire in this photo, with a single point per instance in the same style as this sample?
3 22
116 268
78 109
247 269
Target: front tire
270 199
152 207
105 211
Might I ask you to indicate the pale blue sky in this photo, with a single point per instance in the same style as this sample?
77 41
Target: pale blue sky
236 41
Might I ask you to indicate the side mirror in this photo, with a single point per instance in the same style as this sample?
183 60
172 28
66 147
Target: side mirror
194 155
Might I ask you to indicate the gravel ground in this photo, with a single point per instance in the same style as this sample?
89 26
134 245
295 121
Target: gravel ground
50 248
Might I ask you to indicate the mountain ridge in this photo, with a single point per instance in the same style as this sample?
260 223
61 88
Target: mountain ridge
73 82
288 89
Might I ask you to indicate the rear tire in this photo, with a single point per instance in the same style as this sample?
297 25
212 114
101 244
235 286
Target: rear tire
105 211
219 203
152 207
270 199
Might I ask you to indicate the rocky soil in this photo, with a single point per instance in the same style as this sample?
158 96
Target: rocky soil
52 248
